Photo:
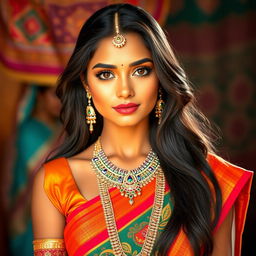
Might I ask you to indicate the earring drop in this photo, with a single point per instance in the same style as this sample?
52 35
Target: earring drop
159 106
90 113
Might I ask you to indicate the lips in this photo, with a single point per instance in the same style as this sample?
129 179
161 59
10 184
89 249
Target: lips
126 108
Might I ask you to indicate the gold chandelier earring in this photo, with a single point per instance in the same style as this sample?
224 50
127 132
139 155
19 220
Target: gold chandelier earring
90 112
159 106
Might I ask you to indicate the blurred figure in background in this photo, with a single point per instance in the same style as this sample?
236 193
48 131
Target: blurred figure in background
36 135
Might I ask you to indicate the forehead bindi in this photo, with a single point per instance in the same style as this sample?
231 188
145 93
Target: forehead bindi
133 50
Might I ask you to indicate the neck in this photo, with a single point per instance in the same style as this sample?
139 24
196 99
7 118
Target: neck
125 142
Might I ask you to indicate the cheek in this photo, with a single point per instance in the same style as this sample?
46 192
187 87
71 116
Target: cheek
98 100
101 97
151 91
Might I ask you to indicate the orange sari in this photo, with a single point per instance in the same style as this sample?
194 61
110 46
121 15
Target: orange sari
86 234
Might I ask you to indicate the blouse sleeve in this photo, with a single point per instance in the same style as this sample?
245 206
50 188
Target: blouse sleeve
53 183
60 186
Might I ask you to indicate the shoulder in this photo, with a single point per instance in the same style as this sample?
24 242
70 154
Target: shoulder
56 172
232 179
56 165
56 179
81 163
224 170
40 194
80 166
42 203
39 179
62 168
49 182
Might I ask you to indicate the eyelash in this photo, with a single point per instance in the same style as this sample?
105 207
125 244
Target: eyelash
147 69
103 72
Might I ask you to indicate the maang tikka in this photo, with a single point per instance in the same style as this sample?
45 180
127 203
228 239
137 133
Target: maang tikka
118 40
159 106
90 112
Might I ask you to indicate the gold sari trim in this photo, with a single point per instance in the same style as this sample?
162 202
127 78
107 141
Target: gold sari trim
40 244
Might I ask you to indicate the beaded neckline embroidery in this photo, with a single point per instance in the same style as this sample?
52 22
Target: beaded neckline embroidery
129 182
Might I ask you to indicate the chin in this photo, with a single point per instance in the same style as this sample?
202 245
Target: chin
130 122
127 120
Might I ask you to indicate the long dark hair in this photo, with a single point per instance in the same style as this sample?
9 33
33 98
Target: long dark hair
180 141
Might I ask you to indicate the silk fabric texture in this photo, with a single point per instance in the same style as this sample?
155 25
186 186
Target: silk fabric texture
85 232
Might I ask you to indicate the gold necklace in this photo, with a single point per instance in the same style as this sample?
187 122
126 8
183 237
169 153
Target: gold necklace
110 218
128 182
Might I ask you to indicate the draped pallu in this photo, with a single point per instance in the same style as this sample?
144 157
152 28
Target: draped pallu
86 233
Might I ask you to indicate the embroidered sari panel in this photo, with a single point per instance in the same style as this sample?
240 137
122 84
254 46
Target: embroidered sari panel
86 234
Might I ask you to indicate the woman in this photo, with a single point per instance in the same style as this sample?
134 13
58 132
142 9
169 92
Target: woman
140 177
36 133
33 137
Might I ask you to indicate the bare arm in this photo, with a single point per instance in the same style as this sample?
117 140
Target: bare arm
48 222
222 237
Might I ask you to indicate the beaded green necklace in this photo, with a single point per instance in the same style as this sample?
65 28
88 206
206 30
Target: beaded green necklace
129 182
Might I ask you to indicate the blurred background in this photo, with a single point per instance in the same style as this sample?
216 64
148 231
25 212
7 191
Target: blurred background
215 41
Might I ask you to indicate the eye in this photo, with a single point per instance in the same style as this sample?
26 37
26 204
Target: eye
105 75
142 71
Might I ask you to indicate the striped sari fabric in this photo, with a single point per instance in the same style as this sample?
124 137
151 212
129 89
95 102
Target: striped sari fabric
86 233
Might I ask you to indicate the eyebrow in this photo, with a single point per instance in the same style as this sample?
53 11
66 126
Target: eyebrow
135 63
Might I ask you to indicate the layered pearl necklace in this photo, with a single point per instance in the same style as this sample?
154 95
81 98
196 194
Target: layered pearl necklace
129 183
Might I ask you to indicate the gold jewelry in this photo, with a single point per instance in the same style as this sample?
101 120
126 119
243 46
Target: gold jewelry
153 221
128 182
119 40
90 113
49 247
159 106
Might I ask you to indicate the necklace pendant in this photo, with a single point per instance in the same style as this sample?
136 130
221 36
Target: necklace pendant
129 180
131 201
130 187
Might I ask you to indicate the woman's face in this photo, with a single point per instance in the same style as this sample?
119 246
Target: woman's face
120 76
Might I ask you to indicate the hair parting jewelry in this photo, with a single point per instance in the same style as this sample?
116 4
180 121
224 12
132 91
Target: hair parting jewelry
90 112
119 40
159 106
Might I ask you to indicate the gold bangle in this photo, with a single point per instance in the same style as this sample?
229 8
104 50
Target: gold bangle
40 244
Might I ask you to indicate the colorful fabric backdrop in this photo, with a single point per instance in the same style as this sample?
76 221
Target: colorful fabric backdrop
38 36
216 42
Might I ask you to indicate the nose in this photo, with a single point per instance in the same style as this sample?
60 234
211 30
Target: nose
124 87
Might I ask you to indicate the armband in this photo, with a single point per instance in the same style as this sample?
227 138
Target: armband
49 247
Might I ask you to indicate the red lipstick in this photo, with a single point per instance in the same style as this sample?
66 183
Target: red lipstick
126 108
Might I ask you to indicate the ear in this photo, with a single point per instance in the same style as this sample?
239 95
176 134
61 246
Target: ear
86 87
